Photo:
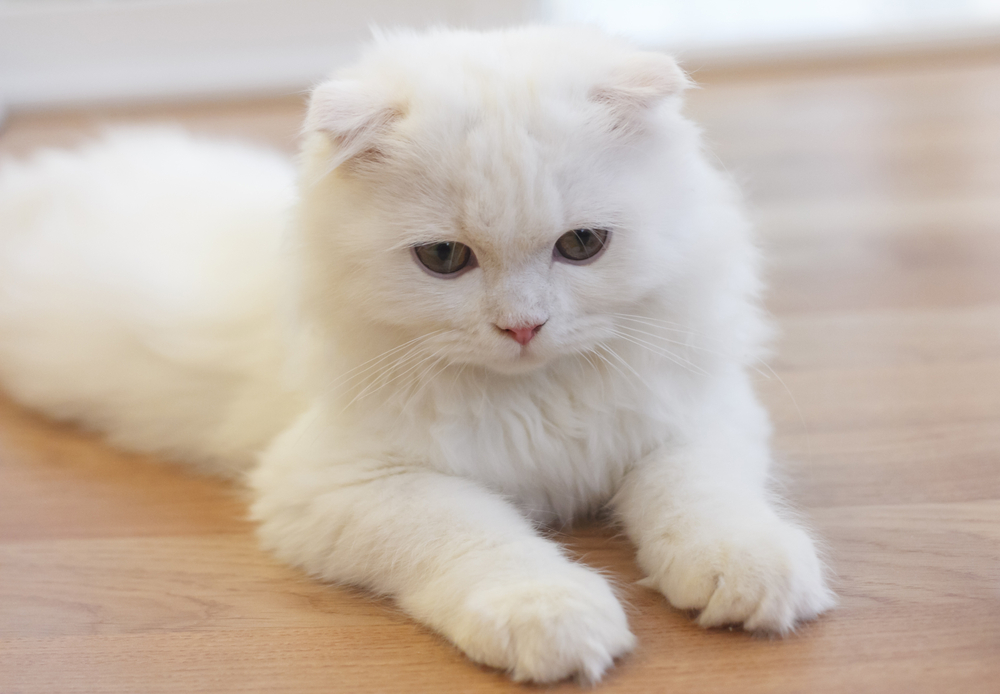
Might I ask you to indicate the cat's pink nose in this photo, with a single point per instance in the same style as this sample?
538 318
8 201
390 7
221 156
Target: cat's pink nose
523 334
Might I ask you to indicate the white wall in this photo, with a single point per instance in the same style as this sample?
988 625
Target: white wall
55 52
71 51
726 24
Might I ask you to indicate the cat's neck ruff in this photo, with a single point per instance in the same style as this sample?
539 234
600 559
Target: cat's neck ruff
557 437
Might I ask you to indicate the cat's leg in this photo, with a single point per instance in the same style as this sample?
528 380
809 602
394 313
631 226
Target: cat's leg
454 556
711 538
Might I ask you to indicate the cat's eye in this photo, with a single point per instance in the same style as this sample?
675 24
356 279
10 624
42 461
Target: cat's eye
443 257
582 244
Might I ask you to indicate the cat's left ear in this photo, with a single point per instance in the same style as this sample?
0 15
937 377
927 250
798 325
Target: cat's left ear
640 82
352 115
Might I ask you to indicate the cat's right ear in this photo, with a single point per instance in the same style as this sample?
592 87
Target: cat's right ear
637 85
352 116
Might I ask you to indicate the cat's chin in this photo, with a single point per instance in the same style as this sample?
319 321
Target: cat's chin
517 368
526 362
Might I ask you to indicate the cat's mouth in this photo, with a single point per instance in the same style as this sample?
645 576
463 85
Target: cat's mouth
526 358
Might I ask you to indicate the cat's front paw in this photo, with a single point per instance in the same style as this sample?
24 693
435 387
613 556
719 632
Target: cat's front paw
546 628
764 576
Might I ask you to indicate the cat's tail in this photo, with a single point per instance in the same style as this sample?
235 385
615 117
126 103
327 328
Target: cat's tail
139 292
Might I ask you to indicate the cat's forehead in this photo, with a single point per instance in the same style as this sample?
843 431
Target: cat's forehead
497 181
491 184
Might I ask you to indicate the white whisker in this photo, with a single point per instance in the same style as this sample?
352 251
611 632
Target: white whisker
422 381
795 403
666 354
371 388
609 363
656 322
351 375
671 327
617 356
414 352
686 345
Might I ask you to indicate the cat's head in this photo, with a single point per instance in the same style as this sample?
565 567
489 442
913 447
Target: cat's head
497 198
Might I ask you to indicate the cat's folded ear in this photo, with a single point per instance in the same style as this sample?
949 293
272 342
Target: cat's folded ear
353 116
639 83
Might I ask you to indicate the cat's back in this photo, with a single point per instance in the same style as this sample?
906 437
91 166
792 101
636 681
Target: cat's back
145 198
138 287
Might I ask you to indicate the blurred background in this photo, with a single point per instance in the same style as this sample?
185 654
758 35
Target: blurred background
70 52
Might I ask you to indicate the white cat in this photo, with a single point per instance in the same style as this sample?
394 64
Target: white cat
513 291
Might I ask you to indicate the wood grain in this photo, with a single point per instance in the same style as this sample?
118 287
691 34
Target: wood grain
877 193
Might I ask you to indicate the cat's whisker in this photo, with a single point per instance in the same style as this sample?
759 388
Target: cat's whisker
609 363
656 322
666 354
375 361
435 358
377 380
667 340
617 356
484 400
667 325
795 403
614 366
686 345
458 373
395 363
586 356
417 351
424 381
603 358
352 374
418 379
768 374
413 374
375 386
699 348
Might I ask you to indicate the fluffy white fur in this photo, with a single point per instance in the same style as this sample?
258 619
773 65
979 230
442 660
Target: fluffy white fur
152 288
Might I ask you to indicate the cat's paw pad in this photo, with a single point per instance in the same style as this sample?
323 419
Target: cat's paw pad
547 628
767 578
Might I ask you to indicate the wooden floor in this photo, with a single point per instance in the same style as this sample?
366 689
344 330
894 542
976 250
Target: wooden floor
877 192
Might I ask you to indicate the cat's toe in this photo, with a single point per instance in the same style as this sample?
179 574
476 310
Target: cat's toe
547 628
769 579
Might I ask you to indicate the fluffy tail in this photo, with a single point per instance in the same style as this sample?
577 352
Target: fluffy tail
139 292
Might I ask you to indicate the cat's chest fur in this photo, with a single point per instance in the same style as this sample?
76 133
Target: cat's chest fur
557 443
